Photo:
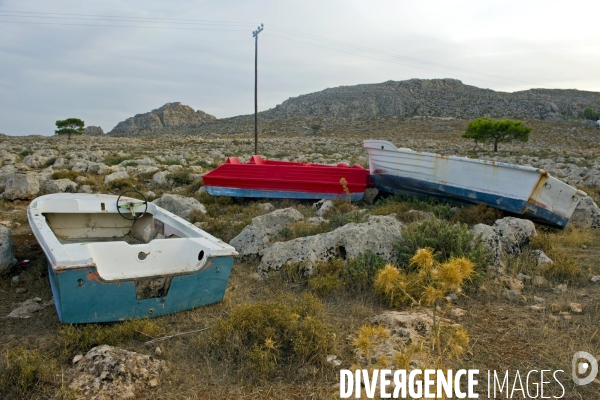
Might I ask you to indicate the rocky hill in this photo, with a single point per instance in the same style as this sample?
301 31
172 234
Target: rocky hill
443 98
167 117
439 98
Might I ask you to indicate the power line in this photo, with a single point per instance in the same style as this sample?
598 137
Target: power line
236 24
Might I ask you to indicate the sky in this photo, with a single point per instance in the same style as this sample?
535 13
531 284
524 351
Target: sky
105 61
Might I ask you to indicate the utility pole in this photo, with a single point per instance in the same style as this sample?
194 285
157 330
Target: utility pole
255 35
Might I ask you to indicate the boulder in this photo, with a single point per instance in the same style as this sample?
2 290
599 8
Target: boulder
586 215
58 186
81 166
114 176
38 159
93 131
107 372
541 259
21 186
28 307
262 231
7 255
323 206
160 178
370 194
180 205
508 235
378 234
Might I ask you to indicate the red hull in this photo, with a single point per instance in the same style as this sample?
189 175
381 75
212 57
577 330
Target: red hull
286 176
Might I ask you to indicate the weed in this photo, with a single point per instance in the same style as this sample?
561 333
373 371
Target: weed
171 162
130 164
120 184
564 267
445 239
303 229
361 271
21 370
401 204
324 285
65 174
258 338
477 214
180 178
25 153
116 160
205 164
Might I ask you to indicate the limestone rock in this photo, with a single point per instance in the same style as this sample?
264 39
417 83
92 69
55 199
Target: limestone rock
171 115
378 235
323 206
180 205
262 231
107 372
370 194
93 131
58 186
541 259
114 176
7 255
28 307
20 186
507 236
160 178
586 215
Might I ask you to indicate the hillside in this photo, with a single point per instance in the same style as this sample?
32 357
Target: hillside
442 98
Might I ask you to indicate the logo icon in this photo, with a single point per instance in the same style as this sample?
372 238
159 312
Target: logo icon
580 367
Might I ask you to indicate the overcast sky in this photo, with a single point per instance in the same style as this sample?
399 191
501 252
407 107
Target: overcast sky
115 59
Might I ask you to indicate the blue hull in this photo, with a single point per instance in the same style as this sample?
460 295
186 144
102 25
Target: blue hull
401 185
279 194
81 296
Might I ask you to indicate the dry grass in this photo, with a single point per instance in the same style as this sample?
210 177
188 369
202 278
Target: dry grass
504 335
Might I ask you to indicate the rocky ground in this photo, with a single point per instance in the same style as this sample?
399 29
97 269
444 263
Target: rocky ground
519 315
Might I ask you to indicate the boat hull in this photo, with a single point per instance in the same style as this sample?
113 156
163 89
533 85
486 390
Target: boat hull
81 296
260 178
516 189
103 267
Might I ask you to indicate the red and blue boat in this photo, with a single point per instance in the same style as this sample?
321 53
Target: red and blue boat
286 180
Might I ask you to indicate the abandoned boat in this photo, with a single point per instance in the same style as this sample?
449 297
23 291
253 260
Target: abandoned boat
113 258
517 189
286 179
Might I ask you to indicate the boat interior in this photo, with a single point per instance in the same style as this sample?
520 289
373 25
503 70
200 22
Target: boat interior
108 227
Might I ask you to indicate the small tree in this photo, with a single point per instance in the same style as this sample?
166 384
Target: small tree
589 113
496 131
69 126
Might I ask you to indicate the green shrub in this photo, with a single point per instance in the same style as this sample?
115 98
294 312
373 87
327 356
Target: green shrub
589 113
130 164
359 273
116 160
324 285
171 162
65 174
25 153
180 178
205 164
400 204
445 239
477 214
302 229
259 339
120 184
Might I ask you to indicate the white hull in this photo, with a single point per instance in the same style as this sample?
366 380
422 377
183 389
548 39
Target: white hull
514 188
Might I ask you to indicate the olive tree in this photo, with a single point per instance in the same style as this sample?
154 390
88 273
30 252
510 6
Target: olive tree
69 126
488 130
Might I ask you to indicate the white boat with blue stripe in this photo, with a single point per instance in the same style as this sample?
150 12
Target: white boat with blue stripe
517 189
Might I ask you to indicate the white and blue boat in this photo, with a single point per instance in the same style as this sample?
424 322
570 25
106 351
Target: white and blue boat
114 258
521 190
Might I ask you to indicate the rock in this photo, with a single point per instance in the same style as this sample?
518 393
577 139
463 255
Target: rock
458 312
316 220
515 233
98 168
171 115
38 159
108 372
77 358
370 194
267 207
508 235
20 290
323 206
586 215
560 288
58 186
93 131
595 279
20 186
541 259
263 230
538 300
149 195
202 190
7 255
511 294
576 308
512 283
158 351
81 166
180 205
539 281
160 178
378 235
85 189
408 326
115 176
538 308
28 307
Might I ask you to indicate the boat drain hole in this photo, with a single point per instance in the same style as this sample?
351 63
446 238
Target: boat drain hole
102 206
142 256
201 255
